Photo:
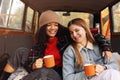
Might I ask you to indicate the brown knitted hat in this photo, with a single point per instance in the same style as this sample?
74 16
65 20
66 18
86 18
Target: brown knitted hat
48 17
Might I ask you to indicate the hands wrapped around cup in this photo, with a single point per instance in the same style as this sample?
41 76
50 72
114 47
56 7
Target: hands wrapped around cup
38 63
92 69
99 69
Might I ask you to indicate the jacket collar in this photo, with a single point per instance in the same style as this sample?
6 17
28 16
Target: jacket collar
88 46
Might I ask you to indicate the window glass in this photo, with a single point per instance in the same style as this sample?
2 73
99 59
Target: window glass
4 12
29 18
67 16
36 21
116 17
16 15
105 23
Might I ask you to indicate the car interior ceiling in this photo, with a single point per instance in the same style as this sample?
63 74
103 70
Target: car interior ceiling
90 6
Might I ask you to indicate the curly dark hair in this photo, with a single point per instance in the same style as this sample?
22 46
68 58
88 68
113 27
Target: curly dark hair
41 37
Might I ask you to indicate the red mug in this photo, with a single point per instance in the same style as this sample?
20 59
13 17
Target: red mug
89 69
49 61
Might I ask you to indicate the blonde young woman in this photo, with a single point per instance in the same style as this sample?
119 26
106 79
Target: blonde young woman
84 49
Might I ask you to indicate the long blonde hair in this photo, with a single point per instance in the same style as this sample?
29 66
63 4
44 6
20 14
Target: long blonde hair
80 22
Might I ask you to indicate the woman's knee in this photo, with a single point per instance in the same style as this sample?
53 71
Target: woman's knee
111 74
9 68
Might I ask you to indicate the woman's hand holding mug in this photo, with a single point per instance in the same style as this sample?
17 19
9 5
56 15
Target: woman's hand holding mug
38 63
99 69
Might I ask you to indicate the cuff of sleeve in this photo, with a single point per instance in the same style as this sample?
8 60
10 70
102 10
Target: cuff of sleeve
106 48
108 66
105 67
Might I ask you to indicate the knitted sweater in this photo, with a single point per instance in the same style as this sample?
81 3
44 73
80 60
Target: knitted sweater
52 49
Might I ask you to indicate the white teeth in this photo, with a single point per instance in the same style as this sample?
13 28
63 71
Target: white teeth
52 32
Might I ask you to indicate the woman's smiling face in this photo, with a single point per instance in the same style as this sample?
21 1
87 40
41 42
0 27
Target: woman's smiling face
77 33
52 29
